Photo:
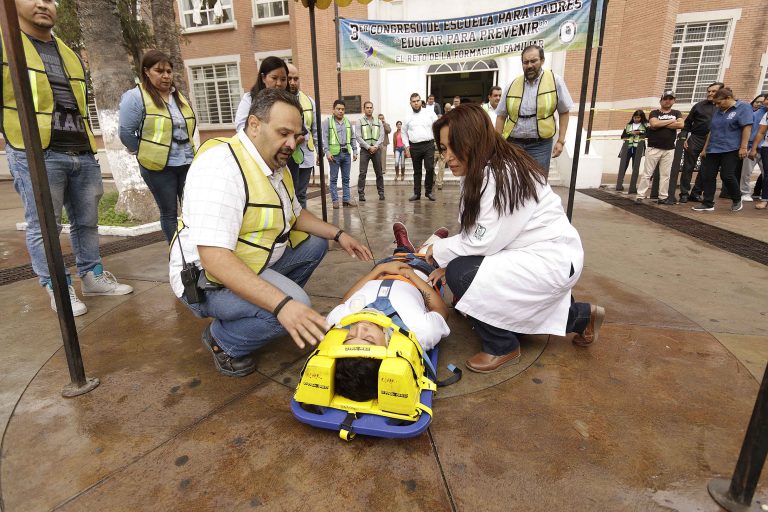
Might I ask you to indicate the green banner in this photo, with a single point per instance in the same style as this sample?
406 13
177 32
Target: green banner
555 25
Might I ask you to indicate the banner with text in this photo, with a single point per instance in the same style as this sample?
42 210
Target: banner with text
555 25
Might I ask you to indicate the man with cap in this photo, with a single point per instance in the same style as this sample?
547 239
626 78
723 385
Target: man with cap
664 123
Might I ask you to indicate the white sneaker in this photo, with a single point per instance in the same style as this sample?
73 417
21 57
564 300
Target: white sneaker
78 306
100 282
747 198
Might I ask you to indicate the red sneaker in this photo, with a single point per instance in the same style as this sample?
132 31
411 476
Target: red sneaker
401 236
441 232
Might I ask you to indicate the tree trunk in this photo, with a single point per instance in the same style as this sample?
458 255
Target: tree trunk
112 74
167 33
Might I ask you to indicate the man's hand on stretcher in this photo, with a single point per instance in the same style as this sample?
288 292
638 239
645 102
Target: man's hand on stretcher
304 324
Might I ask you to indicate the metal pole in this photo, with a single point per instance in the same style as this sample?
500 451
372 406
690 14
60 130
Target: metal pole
338 50
31 135
736 494
582 102
596 78
315 74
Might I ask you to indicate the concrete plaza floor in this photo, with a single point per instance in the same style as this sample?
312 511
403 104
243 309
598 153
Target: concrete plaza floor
639 422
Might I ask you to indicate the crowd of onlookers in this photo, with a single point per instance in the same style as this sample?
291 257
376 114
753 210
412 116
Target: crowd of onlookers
720 135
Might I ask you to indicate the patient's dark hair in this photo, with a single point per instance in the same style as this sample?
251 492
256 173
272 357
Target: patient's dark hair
357 378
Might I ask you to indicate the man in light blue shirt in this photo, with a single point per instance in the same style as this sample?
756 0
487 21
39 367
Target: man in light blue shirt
526 132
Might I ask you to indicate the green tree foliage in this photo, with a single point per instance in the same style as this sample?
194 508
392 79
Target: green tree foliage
137 34
67 25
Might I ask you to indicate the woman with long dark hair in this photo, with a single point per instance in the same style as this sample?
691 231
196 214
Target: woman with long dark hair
157 125
634 144
514 262
273 74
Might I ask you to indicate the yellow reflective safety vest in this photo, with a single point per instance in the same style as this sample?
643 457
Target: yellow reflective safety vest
42 94
263 220
370 132
156 132
546 105
308 116
333 138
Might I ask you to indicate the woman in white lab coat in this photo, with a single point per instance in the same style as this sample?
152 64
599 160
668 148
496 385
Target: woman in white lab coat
516 258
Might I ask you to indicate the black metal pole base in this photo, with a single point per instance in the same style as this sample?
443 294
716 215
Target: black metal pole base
72 390
718 489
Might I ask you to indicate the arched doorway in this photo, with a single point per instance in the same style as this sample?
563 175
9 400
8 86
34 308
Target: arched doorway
470 80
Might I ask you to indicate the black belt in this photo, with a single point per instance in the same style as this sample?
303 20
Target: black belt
180 141
344 150
430 141
526 141
75 153
526 117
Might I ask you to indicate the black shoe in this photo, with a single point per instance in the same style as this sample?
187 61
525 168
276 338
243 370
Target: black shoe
361 199
381 197
227 365
683 199
724 196
694 198
667 202
430 196
619 188
414 197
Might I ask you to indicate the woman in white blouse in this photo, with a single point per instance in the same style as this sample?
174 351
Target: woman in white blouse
516 258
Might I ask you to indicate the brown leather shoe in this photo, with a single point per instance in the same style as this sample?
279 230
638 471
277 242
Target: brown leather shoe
483 362
589 336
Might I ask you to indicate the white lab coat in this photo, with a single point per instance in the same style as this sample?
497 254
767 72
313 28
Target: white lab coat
523 284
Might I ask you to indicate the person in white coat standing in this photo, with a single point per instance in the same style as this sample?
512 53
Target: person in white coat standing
516 258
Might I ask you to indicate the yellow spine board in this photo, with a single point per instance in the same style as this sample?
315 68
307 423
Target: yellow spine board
401 375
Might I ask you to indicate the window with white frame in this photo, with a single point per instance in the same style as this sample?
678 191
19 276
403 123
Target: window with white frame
215 92
93 114
269 9
764 88
696 60
206 13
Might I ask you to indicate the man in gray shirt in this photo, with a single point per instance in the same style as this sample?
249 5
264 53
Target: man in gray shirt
339 146
370 135
526 112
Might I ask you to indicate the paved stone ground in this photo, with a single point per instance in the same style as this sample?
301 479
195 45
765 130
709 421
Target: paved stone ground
639 422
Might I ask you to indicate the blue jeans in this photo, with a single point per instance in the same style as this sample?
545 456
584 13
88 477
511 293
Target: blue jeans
241 327
496 341
75 183
764 157
343 161
300 177
540 151
167 187
400 157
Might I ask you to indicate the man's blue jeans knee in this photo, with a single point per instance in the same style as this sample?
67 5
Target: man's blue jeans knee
75 183
241 327
342 162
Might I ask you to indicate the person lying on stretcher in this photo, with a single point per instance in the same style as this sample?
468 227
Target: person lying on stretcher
419 305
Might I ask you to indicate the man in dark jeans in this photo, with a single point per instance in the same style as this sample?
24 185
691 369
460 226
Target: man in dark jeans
696 128
725 148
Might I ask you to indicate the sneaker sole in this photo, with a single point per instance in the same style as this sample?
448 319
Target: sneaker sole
228 373
94 294
74 313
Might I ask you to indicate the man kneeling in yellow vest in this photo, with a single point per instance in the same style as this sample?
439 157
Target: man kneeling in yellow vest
245 248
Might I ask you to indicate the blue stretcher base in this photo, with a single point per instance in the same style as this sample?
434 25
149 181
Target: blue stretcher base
368 424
